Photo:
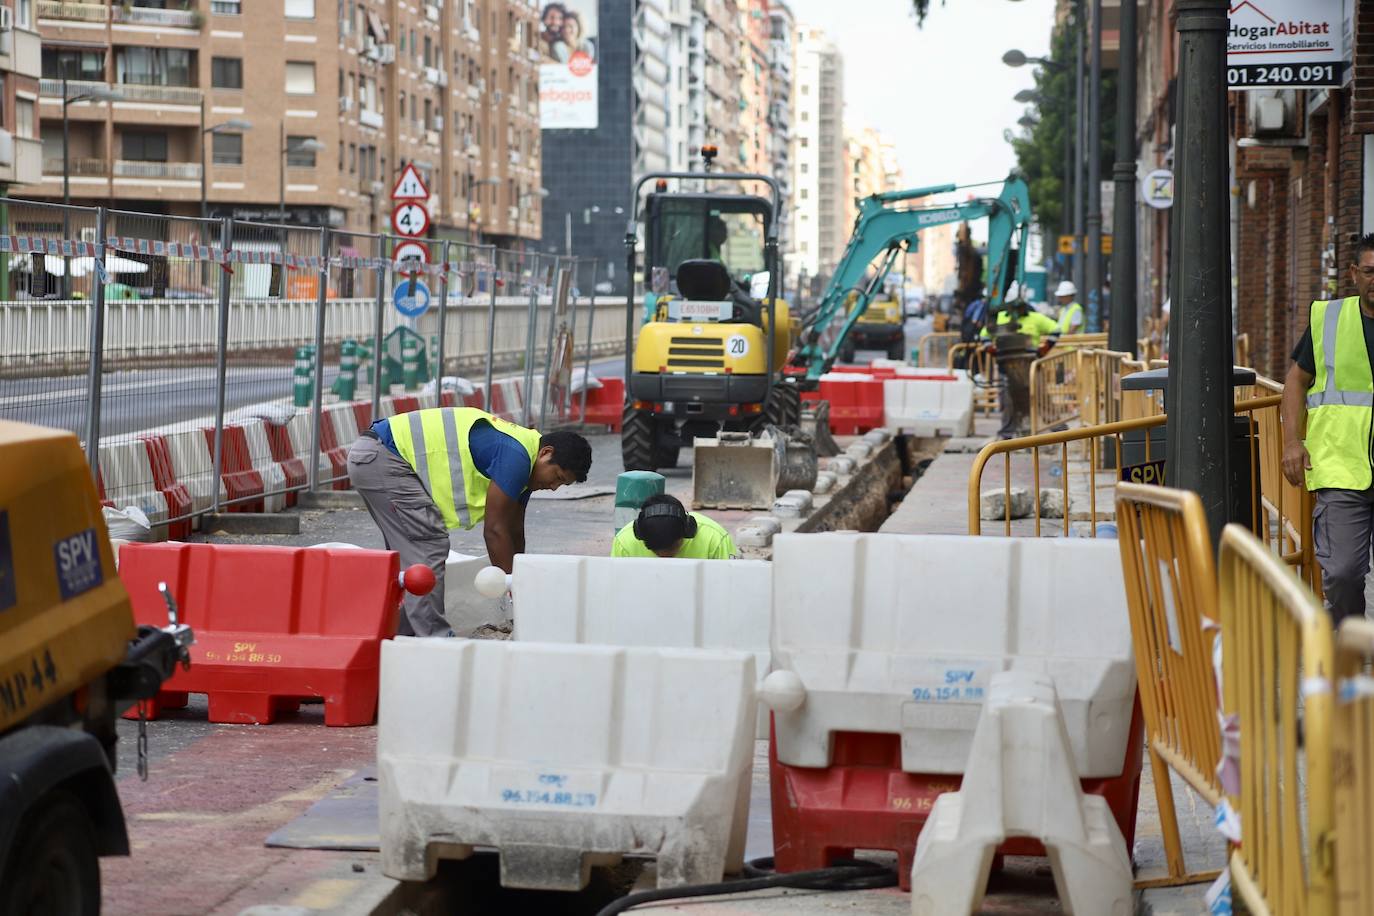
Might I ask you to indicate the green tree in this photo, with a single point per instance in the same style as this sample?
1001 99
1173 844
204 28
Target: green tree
1040 150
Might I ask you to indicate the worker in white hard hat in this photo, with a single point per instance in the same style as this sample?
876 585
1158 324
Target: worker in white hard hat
1070 312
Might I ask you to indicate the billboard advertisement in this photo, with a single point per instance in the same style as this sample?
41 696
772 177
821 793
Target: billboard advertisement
1284 44
567 65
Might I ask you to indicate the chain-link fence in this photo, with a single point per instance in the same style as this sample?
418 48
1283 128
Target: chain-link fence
227 365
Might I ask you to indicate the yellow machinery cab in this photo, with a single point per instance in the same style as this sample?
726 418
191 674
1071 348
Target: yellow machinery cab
706 356
71 661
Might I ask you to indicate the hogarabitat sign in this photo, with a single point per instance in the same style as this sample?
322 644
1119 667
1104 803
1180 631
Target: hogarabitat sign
1285 43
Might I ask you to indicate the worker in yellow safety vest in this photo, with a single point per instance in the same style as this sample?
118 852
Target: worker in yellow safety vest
1014 394
664 528
426 472
1041 329
1070 312
1328 401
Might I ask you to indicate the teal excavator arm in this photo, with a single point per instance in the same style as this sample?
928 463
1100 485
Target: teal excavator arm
882 230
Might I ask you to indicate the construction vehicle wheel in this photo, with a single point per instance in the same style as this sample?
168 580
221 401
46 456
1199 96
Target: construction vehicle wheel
896 350
53 866
783 407
665 456
637 440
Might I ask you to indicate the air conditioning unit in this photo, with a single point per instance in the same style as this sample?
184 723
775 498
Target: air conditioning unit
443 76
6 18
345 104
1272 112
386 54
481 84
438 122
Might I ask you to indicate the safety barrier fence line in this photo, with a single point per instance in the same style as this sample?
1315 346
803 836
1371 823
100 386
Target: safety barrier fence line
1281 513
1170 582
1352 765
1278 679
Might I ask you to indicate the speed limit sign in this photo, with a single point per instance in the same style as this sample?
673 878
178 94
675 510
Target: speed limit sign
410 219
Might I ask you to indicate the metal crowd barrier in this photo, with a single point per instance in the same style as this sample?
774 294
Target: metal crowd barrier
1353 767
1171 589
1277 678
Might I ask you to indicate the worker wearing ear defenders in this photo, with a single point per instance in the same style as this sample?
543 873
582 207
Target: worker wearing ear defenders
665 529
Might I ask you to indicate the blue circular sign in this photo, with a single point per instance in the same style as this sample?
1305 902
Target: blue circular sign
411 306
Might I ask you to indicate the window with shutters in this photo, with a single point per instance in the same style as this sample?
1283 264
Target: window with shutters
300 78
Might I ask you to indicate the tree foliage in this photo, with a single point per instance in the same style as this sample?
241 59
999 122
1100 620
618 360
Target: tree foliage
1040 151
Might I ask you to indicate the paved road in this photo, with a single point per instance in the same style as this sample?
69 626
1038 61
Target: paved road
139 399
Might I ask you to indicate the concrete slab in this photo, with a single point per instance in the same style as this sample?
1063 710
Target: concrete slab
330 499
252 523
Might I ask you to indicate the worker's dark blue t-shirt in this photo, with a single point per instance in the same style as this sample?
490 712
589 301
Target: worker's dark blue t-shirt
497 456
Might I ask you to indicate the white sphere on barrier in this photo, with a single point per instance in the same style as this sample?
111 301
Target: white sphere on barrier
492 582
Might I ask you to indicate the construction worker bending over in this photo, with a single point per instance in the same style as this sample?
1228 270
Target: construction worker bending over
426 472
1017 317
1328 401
666 529
1041 329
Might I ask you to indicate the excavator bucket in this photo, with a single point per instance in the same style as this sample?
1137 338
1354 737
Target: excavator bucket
815 423
735 471
797 464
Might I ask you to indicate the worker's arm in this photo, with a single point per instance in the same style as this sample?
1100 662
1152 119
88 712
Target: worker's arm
1294 407
504 528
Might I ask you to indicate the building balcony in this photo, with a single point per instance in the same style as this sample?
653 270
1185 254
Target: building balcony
369 118
147 15
128 92
175 171
77 167
74 12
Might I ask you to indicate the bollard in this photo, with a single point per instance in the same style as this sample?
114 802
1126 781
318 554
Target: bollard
632 488
346 384
410 363
304 373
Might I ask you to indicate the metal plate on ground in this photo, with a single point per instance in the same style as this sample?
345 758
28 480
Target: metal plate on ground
344 820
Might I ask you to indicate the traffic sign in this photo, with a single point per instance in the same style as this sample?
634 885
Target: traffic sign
411 305
410 186
1157 189
411 251
410 219
1066 244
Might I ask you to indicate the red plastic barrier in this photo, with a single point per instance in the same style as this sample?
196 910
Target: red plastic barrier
165 479
362 410
279 440
236 469
476 399
855 407
605 405
337 453
273 625
864 800
448 399
404 403
100 487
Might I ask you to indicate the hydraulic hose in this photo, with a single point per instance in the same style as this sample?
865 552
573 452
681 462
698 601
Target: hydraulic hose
844 875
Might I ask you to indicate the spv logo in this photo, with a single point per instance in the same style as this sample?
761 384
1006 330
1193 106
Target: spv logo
78 563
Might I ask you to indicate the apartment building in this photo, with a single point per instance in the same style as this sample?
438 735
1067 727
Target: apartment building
21 152
782 31
254 108
871 161
820 174
754 87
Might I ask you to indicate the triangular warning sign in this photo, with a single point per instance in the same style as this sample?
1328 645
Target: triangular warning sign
410 186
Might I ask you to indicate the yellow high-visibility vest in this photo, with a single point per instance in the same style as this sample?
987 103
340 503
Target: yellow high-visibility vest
1067 315
1340 403
434 442
1033 324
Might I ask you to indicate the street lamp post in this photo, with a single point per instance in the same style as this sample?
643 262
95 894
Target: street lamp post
1094 272
1015 58
235 124
1124 318
1200 359
310 145
92 94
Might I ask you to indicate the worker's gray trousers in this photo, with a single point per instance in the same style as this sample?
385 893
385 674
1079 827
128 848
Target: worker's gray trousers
1342 528
411 525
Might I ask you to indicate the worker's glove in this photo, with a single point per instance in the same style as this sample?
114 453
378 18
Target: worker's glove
1044 348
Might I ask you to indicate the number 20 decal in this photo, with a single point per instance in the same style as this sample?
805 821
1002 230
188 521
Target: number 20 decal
737 345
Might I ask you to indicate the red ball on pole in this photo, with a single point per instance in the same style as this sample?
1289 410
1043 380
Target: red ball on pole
418 579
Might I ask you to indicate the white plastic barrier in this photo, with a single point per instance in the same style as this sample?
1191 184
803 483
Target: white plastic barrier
900 634
298 431
465 608
921 402
193 464
1020 781
128 477
260 457
345 422
704 604
562 757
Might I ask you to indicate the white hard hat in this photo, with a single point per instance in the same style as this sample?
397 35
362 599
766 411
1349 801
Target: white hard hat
1066 288
1013 291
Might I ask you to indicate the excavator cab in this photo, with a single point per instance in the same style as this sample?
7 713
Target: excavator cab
715 331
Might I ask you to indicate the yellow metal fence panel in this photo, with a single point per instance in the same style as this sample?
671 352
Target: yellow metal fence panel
1277 676
1166 558
1353 768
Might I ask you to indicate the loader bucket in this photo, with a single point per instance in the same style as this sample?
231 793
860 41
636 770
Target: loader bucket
734 471
815 422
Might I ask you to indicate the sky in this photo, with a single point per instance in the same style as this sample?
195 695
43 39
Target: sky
940 93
